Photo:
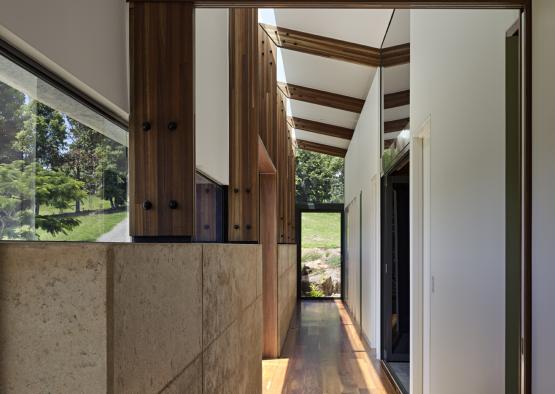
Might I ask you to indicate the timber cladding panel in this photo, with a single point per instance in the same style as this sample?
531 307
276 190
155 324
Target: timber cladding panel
161 136
243 125
257 109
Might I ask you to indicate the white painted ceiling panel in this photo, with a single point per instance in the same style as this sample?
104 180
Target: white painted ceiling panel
327 74
396 113
399 29
320 113
365 27
396 78
322 139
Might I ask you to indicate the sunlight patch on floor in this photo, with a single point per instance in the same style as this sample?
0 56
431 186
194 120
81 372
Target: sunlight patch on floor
273 375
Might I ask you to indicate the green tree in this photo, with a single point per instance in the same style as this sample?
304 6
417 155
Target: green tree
23 185
44 135
319 178
82 158
11 121
112 169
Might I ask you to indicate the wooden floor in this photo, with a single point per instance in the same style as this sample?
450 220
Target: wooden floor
324 354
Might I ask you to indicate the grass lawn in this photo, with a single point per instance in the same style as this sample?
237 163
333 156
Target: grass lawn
321 230
91 227
90 203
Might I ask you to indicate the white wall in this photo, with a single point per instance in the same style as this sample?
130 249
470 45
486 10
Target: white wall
543 197
84 41
458 78
212 93
362 163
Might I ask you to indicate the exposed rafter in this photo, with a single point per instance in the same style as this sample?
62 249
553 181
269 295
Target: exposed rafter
320 97
397 99
321 128
323 46
320 148
395 125
396 55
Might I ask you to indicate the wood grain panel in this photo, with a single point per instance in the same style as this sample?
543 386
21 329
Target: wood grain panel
267 87
162 161
244 124
281 165
320 97
395 125
396 55
323 46
268 239
320 148
372 4
322 128
397 99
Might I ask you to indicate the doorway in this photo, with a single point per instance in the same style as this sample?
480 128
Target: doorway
396 273
320 255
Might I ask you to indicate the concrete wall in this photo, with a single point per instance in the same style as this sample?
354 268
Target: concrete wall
543 197
458 78
130 318
362 164
287 288
83 41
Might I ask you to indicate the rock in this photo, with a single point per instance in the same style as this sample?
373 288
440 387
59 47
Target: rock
328 286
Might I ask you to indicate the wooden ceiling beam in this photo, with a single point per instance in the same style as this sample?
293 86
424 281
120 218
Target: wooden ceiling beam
397 99
321 148
322 128
320 97
323 46
396 55
396 125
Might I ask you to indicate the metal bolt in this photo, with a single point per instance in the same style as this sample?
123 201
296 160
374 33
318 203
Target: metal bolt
147 205
146 126
172 126
172 204
236 227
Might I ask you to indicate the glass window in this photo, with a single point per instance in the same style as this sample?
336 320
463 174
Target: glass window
63 167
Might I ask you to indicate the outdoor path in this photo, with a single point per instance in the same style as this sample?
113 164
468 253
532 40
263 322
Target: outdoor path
120 233
324 353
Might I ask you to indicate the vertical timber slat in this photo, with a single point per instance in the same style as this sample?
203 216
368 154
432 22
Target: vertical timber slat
162 159
243 125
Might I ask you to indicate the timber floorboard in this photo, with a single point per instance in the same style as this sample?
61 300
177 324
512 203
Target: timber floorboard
324 353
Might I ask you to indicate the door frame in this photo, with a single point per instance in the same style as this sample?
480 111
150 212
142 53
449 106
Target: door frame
420 263
319 208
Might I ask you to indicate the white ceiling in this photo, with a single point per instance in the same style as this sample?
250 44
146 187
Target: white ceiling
398 32
366 27
396 78
396 113
319 113
322 139
327 74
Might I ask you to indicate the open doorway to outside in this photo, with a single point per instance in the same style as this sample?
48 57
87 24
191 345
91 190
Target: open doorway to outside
321 251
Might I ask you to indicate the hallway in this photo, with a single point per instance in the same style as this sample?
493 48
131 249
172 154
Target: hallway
324 354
